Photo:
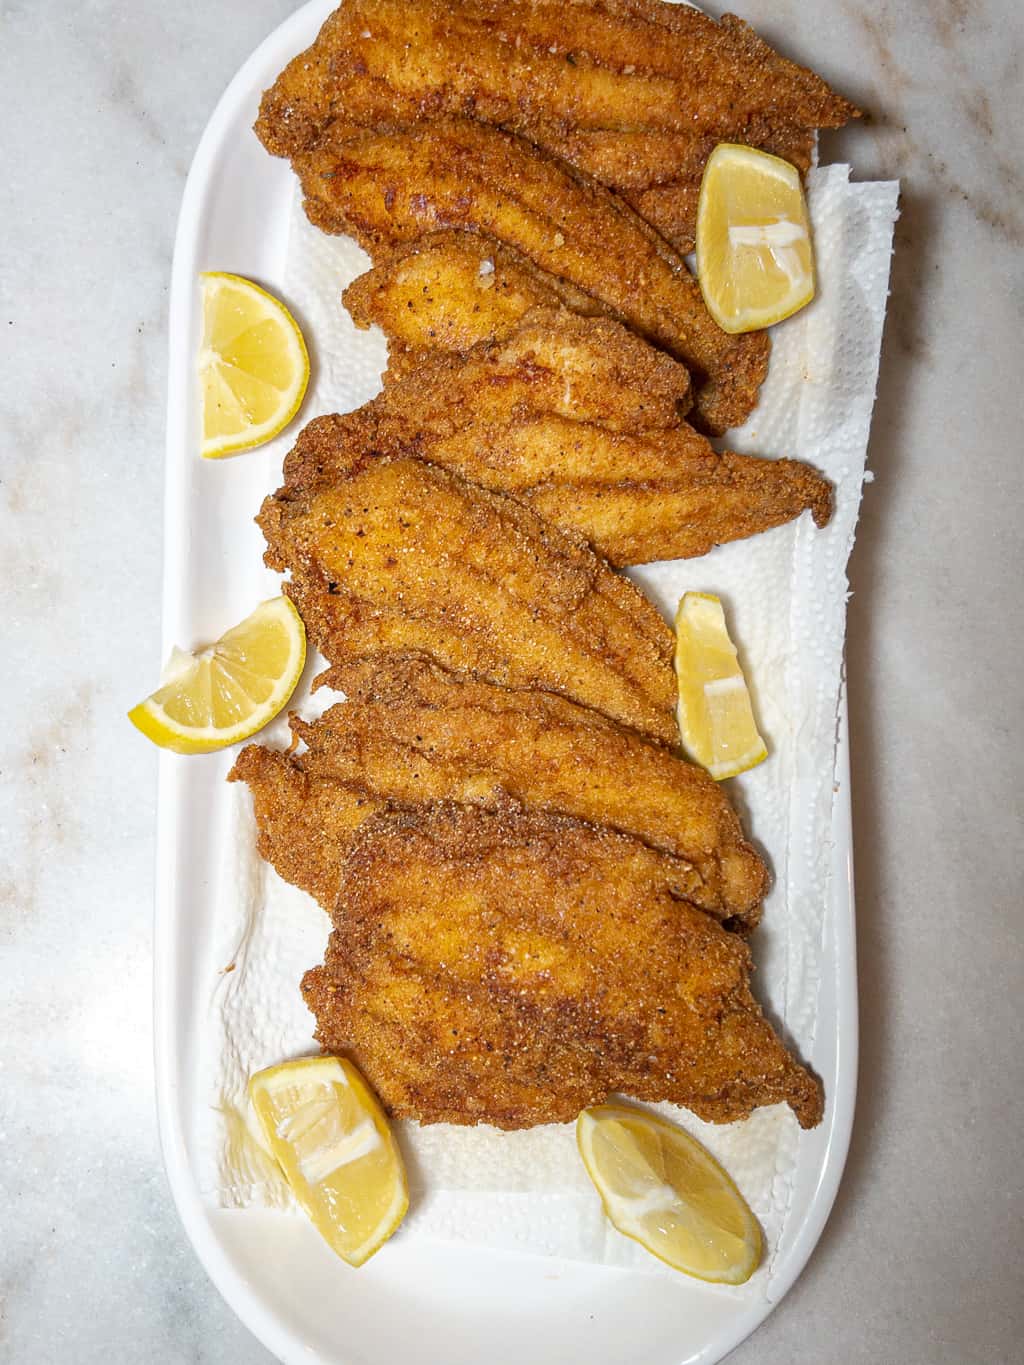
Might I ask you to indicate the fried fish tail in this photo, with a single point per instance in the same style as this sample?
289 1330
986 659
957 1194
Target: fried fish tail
667 495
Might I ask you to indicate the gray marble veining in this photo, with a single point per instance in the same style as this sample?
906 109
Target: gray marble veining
101 107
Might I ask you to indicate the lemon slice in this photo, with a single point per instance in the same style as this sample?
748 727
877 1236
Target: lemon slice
660 1187
253 365
716 722
228 691
755 264
328 1132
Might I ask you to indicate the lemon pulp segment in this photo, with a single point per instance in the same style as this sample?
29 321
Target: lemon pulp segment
228 691
716 721
253 365
329 1134
659 1186
755 262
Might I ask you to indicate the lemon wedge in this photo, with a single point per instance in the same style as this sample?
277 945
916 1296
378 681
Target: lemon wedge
755 264
716 722
253 365
228 691
330 1136
660 1187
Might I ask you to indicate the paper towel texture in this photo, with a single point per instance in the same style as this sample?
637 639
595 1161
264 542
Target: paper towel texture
785 597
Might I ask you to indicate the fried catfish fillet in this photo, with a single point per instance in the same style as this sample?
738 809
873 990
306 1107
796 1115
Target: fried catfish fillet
578 418
394 555
411 732
512 967
586 369
450 290
394 185
633 92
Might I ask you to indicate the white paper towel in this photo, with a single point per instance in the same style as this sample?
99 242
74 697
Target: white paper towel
785 596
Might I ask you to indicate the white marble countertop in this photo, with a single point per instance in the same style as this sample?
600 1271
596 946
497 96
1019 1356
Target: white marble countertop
101 106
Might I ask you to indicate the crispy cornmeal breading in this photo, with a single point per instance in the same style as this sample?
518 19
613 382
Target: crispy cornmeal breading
392 185
633 92
394 555
512 967
450 290
579 419
411 732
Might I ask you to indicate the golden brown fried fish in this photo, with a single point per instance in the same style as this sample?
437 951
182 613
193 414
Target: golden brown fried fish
579 418
633 92
393 555
584 369
450 290
512 967
411 732
394 185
